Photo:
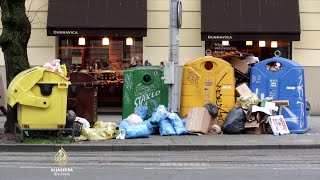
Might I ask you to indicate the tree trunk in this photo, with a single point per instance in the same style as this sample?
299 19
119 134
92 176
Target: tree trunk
13 41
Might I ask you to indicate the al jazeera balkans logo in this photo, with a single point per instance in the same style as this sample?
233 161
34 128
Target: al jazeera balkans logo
61 159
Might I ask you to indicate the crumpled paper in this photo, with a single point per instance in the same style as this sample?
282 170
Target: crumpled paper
246 101
56 67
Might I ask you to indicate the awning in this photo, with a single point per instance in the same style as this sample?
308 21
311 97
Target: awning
112 18
241 20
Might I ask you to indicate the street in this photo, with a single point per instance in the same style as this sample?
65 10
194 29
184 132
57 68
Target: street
236 164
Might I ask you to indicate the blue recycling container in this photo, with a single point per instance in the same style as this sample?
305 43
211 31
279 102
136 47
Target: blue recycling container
284 81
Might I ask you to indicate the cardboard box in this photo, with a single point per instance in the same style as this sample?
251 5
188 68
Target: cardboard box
199 120
281 102
278 125
256 118
239 64
243 90
254 127
261 129
259 114
251 124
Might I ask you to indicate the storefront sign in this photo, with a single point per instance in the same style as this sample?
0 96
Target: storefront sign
65 32
210 37
220 49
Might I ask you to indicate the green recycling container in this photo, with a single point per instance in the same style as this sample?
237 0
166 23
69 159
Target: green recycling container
143 86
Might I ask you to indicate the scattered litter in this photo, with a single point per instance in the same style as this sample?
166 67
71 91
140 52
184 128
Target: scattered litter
83 121
234 123
133 119
177 124
160 114
141 111
137 131
278 125
166 128
215 129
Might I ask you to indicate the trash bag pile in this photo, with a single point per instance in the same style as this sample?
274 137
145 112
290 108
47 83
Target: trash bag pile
252 116
83 131
161 122
100 131
136 125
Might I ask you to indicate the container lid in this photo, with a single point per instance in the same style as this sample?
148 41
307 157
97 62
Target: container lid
19 88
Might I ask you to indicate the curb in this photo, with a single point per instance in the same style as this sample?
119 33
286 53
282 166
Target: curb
143 147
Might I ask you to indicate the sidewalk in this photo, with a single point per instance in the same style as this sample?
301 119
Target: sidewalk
308 140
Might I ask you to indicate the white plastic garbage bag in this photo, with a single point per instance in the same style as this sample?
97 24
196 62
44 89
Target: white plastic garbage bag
133 119
83 121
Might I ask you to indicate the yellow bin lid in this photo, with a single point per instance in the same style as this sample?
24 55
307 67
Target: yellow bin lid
19 88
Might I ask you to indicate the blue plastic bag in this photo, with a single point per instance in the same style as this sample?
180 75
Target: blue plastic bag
137 131
184 121
141 111
153 128
160 114
123 124
166 128
177 124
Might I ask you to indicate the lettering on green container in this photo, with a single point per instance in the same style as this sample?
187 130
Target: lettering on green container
144 98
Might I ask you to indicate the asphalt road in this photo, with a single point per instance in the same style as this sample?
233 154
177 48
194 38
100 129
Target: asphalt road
237 164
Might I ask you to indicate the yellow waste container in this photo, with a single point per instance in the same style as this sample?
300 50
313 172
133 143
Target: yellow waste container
208 80
41 96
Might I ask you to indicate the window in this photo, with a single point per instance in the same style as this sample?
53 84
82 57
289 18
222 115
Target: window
217 48
115 56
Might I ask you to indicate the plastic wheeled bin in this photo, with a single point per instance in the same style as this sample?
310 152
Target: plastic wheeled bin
208 80
143 86
283 79
42 98
82 96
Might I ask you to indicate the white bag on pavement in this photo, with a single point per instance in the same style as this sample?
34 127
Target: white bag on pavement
83 121
134 119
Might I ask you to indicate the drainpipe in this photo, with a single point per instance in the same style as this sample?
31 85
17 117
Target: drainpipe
171 70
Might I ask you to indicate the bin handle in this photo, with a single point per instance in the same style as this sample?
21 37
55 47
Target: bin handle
30 100
35 102
63 85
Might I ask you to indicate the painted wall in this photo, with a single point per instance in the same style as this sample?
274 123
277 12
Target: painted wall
307 50
157 42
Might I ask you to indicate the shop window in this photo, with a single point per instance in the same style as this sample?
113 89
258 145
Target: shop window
264 50
93 55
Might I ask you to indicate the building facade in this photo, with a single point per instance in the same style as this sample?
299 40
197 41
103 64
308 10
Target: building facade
154 45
